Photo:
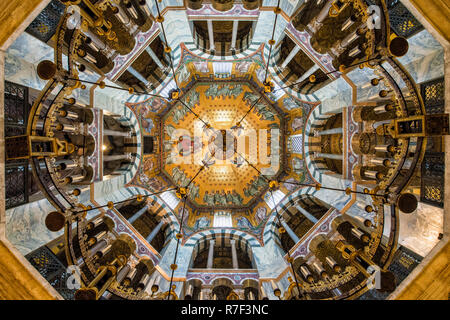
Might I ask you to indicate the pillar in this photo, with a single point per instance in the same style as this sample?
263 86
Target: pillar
234 254
155 58
307 215
324 12
328 156
107 132
308 73
330 131
340 46
155 231
210 34
291 56
289 231
209 264
138 214
117 157
139 76
234 34
316 23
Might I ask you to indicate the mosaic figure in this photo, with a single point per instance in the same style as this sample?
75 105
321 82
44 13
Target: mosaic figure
297 123
202 66
237 198
260 215
243 66
244 223
209 199
202 223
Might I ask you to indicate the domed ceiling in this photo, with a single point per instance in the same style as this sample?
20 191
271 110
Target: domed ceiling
188 144
211 133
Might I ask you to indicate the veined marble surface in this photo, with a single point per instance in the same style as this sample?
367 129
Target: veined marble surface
269 260
264 27
335 95
183 258
425 58
419 230
25 226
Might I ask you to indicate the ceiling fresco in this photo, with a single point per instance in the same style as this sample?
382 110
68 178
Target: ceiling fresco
228 181
221 94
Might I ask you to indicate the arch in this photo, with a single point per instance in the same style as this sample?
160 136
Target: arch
128 240
222 281
270 231
201 244
317 120
222 31
192 288
235 234
222 288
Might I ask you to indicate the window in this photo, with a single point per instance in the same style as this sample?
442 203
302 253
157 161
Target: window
170 86
222 219
222 69
278 195
170 198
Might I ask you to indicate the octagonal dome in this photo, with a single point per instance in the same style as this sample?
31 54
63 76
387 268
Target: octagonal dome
232 130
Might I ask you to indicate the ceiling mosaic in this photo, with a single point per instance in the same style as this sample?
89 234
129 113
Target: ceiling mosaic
187 144
221 94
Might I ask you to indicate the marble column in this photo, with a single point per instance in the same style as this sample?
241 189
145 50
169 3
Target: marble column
330 131
155 58
328 156
234 34
138 214
307 215
117 157
291 56
340 46
107 132
210 34
234 254
308 73
209 264
289 231
316 23
155 231
138 76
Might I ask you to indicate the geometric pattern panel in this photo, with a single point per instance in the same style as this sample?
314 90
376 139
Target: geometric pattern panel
432 182
46 23
48 265
16 109
16 178
297 143
433 94
402 22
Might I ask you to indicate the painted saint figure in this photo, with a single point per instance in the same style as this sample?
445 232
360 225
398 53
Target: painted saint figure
208 199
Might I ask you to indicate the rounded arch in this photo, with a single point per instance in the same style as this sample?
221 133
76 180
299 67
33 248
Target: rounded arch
323 143
314 243
222 241
205 235
270 231
192 288
222 281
